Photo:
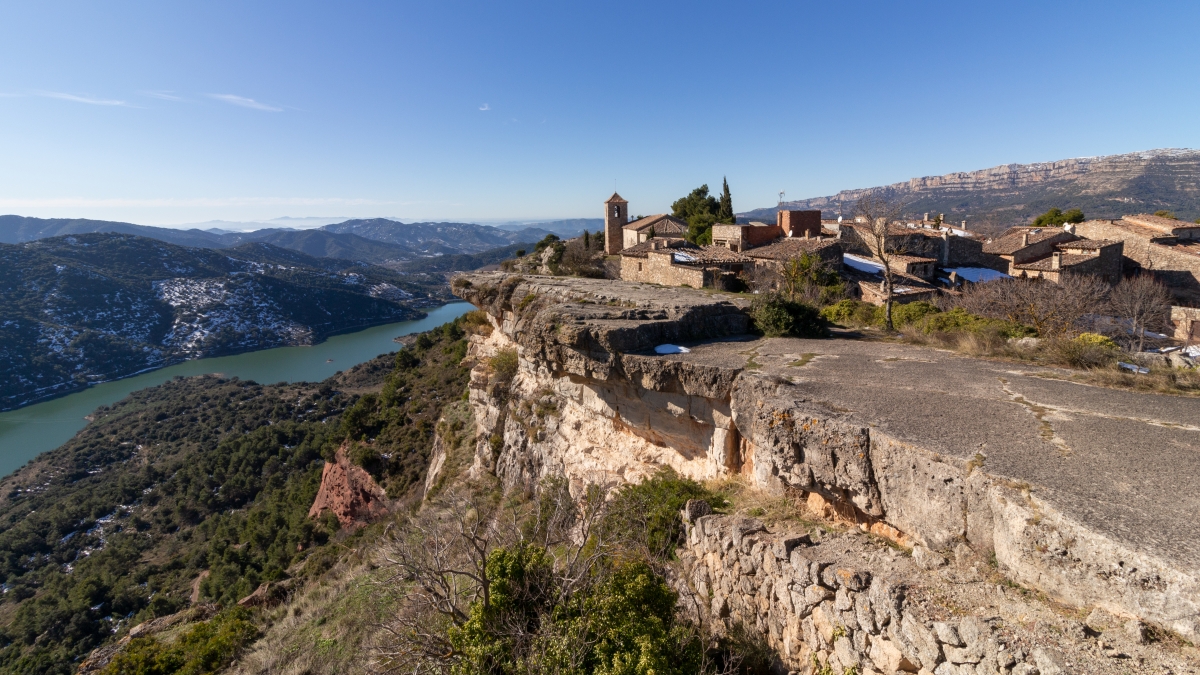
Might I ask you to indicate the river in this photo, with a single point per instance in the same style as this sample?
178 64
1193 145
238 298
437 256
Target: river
27 432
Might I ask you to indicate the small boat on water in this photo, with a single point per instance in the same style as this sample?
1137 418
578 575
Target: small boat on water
328 360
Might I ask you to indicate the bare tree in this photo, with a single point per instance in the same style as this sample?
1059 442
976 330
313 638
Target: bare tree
878 214
441 556
1053 309
1144 303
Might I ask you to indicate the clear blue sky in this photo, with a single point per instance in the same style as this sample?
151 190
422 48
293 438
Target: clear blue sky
166 113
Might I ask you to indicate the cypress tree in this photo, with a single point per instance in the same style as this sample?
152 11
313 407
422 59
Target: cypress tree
725 211
587 241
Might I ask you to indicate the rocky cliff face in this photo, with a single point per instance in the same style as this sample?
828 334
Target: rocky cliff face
919 447
1106 186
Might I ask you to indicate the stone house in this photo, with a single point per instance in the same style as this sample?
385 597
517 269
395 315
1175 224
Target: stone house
1186 321
915 266
741 237
799 223
781 250
1168 249
1024 245
943 245
1100 257
677 262
661 225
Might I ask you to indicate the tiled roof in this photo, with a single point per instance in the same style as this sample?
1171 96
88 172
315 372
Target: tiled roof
615 199
1165 225
711 255
1086 244
1047 264
913 259
1010 242
659 244
662 224
790 247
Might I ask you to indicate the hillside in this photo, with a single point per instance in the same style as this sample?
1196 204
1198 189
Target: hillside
200 474
1103 187
94 307
372 240
460 237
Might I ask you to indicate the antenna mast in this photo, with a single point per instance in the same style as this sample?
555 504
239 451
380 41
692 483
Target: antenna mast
781 196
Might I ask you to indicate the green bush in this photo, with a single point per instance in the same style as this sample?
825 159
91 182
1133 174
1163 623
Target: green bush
773 316
646 515
1096 340
206 647
504 366
1087 350
910 313
959 320
851 313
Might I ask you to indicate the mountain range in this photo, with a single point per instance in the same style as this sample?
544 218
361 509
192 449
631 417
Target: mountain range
1103 187
79 309
376 240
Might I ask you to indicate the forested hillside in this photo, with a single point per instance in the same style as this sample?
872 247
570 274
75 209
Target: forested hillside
201 475
93 307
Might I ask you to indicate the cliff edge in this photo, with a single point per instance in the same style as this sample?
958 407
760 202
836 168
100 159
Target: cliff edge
1078 492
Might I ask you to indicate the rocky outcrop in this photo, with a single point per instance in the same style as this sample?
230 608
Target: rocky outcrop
349 492
1111 185
920 447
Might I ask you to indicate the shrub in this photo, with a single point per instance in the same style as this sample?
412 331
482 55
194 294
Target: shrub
911 313
646 515
1088 350
959 320
504 366
206 647
851 313
774 316
1096 340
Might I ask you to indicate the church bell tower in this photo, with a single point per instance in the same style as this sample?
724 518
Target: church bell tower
616 215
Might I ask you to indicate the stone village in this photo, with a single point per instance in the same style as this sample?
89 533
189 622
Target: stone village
928 257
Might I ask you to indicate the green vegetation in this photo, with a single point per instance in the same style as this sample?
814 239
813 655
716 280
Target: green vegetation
775 316
924 317
198 474
646 514
1165 214
1057 217
701 210
570 585
206 647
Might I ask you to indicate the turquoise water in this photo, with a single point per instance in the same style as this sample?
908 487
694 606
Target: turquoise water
32 430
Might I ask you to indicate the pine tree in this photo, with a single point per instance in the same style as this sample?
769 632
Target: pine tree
587 241
725 211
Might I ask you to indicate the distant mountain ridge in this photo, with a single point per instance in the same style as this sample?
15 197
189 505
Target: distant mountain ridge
84 308
395 241
1103 187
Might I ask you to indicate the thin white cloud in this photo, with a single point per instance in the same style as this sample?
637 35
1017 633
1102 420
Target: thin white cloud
485 107
81 99
164 95
87 202
245 102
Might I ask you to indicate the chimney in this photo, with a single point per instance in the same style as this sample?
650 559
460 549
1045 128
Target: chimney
1056 260
964 225
1024 239
926 218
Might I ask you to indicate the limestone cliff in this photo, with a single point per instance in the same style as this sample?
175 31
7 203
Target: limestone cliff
1107 187
924 448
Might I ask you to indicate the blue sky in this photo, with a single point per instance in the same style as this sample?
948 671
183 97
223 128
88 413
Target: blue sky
174 112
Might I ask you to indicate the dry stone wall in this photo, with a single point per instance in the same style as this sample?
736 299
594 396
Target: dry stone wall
822 615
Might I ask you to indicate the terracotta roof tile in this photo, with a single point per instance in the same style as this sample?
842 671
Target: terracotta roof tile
790 247
658 243
1010 242
662 224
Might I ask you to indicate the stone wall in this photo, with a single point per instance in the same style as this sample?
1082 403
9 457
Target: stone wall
1176 266
821 614
799 223
659 267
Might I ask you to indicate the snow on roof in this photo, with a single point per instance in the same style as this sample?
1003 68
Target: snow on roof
977 274
684 258
862 264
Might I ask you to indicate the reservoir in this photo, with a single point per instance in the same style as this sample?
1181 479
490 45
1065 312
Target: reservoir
29 431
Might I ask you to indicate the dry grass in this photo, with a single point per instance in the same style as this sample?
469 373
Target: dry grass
748 500
327 627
